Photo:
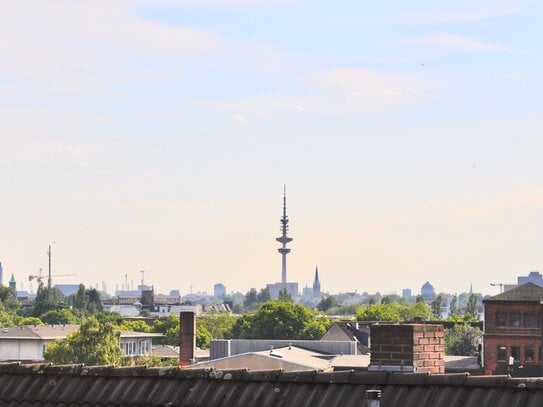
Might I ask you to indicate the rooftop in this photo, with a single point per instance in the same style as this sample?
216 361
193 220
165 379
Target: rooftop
525 292
78 385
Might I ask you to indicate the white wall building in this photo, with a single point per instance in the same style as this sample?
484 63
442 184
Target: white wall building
28 343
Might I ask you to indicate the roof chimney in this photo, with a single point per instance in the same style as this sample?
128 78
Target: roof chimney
187 343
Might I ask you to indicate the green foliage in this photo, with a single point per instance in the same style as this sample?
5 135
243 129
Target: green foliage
251 299
436 306
106 316
8 302
218 324
263 295
327 303
136 326
59 317
93 344
462 340
47 301
284 296
394 312
170 328
7 319
453 306
471 308
280 320
344 310
30 321
381 312
203 337
86 302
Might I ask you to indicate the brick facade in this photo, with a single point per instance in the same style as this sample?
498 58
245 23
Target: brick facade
512 328
420 346
187 337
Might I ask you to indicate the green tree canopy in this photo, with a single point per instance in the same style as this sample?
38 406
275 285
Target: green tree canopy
170 328
281 320
59 317
93 344
326 303
462 340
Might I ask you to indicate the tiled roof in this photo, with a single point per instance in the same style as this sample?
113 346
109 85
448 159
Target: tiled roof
525 292
37 331
40 385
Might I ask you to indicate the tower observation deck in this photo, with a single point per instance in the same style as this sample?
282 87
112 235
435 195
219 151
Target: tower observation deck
284 239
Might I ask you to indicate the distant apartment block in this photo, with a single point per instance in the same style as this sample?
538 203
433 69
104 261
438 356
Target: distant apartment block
219 291
427 291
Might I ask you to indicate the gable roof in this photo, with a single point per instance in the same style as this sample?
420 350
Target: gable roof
525 292
342 330
78 385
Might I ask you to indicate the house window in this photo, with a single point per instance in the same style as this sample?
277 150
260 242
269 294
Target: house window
530 320
502 353
501 319
515 320
515 352
529 354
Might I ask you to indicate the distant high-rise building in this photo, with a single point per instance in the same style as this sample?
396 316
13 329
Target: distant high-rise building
219 291
1 274
316 282
406 293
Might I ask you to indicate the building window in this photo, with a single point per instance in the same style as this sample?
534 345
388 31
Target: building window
515 320
502 354
515 352
530 320
501 319
529 354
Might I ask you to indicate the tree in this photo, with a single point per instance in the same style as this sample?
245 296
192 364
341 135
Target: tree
284 296
418 309
8 301
47 300
326 303
471 308
203 337
135 326
93 344
453 305
281 320
462 340
170 328
59 317
381 312
218 324
436 306
263 295
251 299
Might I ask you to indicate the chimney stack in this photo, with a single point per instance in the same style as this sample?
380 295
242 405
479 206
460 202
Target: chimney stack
187 344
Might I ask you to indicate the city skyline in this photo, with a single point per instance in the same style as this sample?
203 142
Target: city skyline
157 135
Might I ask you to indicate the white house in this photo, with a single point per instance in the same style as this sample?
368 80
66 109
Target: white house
27 343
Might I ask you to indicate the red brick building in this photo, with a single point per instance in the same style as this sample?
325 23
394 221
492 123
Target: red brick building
512 329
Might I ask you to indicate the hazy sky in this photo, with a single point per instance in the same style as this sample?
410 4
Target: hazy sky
158 135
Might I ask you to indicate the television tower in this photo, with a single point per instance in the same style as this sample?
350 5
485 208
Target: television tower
284 239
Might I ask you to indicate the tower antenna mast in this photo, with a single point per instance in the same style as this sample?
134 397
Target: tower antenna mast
284 239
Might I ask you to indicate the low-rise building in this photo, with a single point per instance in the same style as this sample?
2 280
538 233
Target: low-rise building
512 332
28 343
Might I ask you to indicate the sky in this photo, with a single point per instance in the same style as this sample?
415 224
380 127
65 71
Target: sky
157 135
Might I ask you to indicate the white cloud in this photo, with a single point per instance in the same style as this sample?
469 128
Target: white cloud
451 41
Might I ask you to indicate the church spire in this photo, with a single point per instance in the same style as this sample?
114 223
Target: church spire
316 282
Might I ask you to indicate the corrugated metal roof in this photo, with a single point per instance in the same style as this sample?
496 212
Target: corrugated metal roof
42 385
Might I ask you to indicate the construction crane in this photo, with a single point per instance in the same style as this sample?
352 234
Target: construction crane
498 285
40 277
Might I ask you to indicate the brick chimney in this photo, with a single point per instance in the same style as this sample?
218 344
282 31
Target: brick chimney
187 343
408 348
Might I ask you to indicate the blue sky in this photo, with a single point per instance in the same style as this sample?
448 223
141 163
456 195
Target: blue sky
158 134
